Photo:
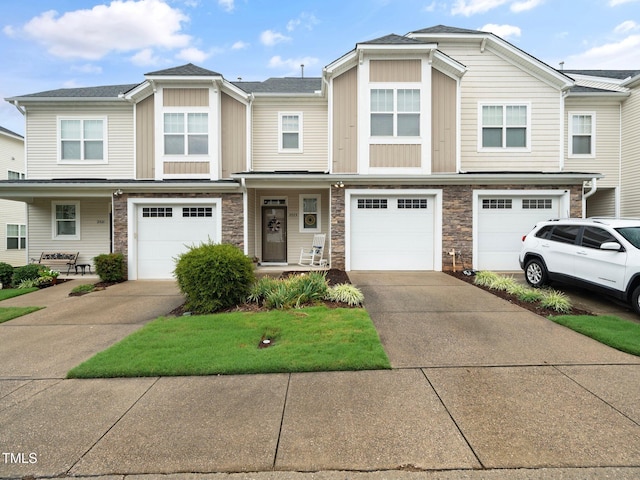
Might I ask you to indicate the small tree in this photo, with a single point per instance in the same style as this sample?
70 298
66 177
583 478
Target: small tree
6 273
110 267
214 276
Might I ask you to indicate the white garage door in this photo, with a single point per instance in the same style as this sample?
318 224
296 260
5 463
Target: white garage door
392 232
502 221
165 231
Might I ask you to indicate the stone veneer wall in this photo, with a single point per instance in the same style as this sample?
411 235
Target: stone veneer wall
457 216
232 217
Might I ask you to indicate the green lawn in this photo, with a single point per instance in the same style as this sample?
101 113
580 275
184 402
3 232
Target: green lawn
9 313
14 292
310 339
623 335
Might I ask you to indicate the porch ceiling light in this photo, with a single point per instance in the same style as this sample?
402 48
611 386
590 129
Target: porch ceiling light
339 184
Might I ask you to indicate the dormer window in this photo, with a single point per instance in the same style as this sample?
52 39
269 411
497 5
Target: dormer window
186 134
395 112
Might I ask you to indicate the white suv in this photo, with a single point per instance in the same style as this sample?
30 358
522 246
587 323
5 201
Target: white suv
596 253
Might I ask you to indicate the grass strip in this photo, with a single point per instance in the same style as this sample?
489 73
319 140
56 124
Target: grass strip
9 313
623 335
6 293
304 340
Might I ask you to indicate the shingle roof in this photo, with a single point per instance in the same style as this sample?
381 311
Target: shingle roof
615 74
584 89
185 71
392 39
105 91
9 132
282 85
450 30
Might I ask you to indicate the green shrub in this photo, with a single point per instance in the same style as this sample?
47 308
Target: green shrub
27 272
214 276
110 267
555 300
260 289
6 273
292 292
530 295
484 278
345 293
28 283
503 283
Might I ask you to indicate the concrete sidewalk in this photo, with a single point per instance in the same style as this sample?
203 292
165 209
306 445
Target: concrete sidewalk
480 389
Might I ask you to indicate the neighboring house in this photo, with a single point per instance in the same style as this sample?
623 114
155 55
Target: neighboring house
13 218
406 150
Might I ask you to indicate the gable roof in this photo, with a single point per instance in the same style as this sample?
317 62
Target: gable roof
188 70
304 85
100 92
448 30
6 131
614 74
392 39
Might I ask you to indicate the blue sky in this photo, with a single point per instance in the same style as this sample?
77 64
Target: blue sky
50 44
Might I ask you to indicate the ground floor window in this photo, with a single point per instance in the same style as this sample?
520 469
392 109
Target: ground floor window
66 220
16 237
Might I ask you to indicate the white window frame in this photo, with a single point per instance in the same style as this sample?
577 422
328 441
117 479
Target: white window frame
82 161
281 132
20 226
395 112
185 111
571 135
318 213
21 175
54 229
504 105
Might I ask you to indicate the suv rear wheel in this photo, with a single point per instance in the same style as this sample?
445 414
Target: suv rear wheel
536 273
635 300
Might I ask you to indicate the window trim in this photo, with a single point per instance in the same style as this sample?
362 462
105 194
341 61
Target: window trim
281 132
82 119
21 175
19 237
186 156
573 114
302 213
395 87
504 148
54 230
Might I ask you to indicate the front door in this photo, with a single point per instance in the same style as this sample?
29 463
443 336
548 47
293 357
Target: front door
274 234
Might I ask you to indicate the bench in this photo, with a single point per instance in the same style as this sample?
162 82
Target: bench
59 258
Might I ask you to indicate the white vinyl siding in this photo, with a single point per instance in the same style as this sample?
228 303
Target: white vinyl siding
606 157
266 135
42 147
630 187
11 160
94 226
491 79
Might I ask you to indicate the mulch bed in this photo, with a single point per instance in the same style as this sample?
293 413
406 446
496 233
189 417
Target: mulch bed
533 307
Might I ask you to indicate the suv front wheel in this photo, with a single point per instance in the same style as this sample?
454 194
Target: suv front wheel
536 273
635 299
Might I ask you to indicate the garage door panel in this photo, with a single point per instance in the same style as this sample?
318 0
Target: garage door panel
165 232
503 220
392 238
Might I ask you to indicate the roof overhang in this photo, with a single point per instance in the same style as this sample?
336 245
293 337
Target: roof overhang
594 95
632 82
318 179
28 190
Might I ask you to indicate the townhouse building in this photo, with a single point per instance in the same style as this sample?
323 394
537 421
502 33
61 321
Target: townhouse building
13 220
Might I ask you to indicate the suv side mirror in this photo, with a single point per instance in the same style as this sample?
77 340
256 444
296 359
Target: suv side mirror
613 246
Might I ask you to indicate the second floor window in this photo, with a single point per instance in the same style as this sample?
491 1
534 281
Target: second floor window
186 133
582 133
290 132
395 112
504 126
12 175
82 139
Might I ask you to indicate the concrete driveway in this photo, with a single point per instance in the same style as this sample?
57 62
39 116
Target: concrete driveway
480 389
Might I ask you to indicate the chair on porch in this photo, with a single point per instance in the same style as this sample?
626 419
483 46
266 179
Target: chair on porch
313 256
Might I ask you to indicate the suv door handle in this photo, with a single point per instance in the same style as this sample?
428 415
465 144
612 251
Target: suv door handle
582 252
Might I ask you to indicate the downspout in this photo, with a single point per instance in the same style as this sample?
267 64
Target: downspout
245 215
594 188
18 107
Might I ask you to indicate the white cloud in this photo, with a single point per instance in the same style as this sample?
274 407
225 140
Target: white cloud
430 8
145 58
626 27
504 31
292 65
471 7
9 31
270 38
617 55
192 55
306 20
525 5
87 68
239 45
227 5
615 3
122 26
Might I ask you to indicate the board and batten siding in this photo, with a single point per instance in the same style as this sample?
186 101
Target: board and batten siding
443 122
607 144
185 97
94 229
630 187
345 122
42 147
396 156
266 157
234 136
395 70
145 139
296 240
490 78
180 168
